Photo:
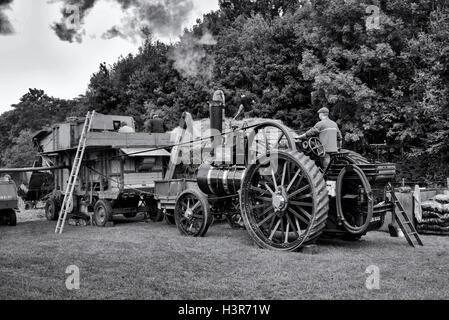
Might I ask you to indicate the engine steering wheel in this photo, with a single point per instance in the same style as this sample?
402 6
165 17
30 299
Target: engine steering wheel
317 147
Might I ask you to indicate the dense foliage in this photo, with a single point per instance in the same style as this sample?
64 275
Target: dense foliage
383 85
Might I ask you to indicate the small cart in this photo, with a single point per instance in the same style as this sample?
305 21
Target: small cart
183 203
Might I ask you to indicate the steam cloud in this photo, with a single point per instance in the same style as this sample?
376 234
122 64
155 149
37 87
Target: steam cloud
142 17
5 24
191 59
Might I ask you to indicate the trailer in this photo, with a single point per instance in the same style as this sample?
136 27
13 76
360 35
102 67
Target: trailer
8 201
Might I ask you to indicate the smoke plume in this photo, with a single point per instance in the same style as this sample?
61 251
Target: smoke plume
191 58
5 24
163 18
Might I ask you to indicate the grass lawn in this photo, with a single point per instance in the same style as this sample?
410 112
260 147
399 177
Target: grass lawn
153 261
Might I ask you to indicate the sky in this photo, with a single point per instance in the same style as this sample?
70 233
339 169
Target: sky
34 57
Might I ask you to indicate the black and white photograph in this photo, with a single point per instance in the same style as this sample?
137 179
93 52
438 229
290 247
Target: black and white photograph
224 155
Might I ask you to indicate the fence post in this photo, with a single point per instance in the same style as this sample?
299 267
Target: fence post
417 210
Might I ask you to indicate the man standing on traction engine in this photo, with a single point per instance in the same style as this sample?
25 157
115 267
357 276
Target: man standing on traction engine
328 133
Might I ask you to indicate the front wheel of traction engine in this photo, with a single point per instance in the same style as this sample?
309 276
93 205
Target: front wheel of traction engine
284 201
102 213
192 214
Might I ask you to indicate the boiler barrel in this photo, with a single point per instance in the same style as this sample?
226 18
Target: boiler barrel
220 181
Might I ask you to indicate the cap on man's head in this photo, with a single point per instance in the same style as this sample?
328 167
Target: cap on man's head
324 111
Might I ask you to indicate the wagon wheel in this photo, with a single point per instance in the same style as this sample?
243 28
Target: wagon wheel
154 214
102 213
192 214
288 208
12 219
51 210
269 136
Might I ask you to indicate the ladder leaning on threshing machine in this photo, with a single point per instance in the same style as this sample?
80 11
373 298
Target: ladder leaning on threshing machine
67 203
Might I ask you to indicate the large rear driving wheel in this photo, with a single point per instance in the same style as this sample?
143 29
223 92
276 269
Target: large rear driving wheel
288 208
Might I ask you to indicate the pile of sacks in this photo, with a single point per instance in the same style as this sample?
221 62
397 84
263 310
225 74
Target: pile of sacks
435 216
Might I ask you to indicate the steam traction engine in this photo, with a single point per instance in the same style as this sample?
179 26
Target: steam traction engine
276 183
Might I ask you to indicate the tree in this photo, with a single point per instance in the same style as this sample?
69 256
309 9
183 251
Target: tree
22 152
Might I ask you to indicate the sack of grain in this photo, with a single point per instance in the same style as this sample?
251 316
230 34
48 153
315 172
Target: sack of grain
431 214
433 232
431 205
442 198
427 214
436 222
430 227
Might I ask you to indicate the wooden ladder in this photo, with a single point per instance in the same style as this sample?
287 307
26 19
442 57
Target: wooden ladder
404 222
68 196
174 157
187 126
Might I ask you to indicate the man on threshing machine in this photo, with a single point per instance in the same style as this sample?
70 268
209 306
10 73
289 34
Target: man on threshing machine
156 125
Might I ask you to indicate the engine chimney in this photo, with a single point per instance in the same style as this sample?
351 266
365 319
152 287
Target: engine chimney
217 110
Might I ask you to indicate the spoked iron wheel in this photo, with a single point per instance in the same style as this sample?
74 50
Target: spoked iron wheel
192 214
102 213
51 210
288 208
267 137
9 217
